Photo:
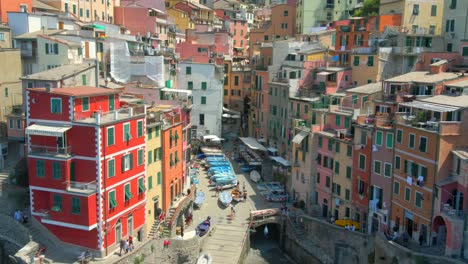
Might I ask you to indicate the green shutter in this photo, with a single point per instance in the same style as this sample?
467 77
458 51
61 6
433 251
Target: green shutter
433 10
83 80
56 48
396 188
127 134
370 61
128 193
111 168
149 133
337 147
57 205
110 136
188 70
337 120
150 156
348 172
140 157
422 144
347 122
40 168
397 162
399 135
111 102
337 167
377 167
203 100
141 186
203 85
362 162
356 61
56 170
387 169
418 200
411 140
349 151
389 140
47 48
140 128
112 200
85 101
76 205
378 138
150 182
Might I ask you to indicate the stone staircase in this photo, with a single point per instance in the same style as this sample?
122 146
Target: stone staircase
153 233
167 232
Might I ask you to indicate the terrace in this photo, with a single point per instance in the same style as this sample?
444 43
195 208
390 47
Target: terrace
99 117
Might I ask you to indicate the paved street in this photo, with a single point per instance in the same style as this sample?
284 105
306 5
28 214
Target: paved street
225 244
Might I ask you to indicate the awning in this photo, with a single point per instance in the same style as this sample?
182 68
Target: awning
431 106
281 161
44 130
252 143
189 92
324 73
299 137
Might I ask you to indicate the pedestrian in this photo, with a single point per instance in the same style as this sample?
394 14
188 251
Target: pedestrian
126 246
164 244
421 239
16 215
233 211
245 196
353 228
122 245
217 190
130 243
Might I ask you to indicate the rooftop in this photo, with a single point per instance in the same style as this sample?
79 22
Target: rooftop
35 34
77 91
40 5
424 77
458 101
369 88
59 73
460 84
62 41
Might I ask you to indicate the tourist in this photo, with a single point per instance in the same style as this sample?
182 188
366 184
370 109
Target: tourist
16 216
395 235
182 232
245 196
130 243
122 246
126 247
353 228
346 227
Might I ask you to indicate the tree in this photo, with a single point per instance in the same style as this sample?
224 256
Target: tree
370 8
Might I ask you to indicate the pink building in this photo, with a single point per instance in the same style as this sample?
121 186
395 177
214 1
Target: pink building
334 79
205 47
239 29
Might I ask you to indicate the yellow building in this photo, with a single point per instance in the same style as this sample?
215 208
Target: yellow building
153 171
236 84
365 68
418 17
181 18
96 10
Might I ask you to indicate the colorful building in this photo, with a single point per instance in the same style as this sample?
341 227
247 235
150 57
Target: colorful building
237 83
14 6
86 160
206 47
87 11
454 24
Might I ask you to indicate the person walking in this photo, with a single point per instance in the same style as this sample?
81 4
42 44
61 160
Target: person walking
233 211
126 246
217 190
122 245
130 243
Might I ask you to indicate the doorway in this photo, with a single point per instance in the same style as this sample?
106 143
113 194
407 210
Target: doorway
325 210
156 209
409 227
130 225
118 232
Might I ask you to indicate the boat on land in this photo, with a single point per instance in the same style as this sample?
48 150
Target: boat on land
199 199
255 176
228 185
237 195
225 180
218 164
265 213
225 198
204 258
348 222
203 227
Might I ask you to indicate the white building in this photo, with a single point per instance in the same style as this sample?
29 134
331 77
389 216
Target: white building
206 83
454 26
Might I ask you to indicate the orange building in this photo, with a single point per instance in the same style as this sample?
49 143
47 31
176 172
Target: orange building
14 6
172 162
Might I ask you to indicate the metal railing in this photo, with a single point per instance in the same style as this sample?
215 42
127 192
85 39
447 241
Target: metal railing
448 210
81 187
48 150
99 117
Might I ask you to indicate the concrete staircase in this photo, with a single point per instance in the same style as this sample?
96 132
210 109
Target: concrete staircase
154 229
167 232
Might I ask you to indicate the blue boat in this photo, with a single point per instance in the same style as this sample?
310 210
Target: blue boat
222 170
199 199
216 158
222 162
223 181
218 165
225 198
222 175
203 227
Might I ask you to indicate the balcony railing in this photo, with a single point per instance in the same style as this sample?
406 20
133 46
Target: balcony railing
443 128
82 187
99 117
28 53
449 211
50 151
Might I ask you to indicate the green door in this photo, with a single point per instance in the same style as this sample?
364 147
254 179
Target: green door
72 171
111 102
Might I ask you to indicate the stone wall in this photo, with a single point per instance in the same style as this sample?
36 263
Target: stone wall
388 252
15 240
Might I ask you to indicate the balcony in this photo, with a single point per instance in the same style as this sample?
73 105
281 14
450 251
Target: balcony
447 210
261 67
443 128
28 53
99 118
410 50
363 50
58 152
82 187
293 63
341 109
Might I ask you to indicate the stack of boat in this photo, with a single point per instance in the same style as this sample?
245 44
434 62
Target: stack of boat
220 172
193 173
273 191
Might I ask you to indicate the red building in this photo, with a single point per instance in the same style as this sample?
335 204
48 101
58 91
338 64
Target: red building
86 165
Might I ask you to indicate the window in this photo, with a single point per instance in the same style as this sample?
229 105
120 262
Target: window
76 205
337 167
40 168
318 177
453 4
159 178
347 195
433 10
423 144
348 172
188 70
149 133
236 80
320 142
110 136
202 119
111 168
418 199
203 100
327 182
81 11
51 48
330 144
74 9
203 86
127 192
57 203
397 162
356 61
85 104
387 169
362 162
465 51
141 186
112 200
389 140
450 25
56 170
399 136
158 128
377 166
56 106
411 140
337 120
349 151
370 61
396 188
111 102
171 161
415 9
150 182
140 157
407 194
83 80
6 91
337 147
150 156
127 162
449 47
363 138
190 85
126 132
378 138
286 13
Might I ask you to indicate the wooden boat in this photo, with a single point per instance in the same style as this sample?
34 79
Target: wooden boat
225 198
348 222
203 227
199 199
228 185
255 176
237 195
204 258
265 213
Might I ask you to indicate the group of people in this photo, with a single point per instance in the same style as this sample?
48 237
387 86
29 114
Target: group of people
126 245
20 217
350 227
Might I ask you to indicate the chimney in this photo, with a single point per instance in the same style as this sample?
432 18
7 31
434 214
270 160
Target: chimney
438 67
